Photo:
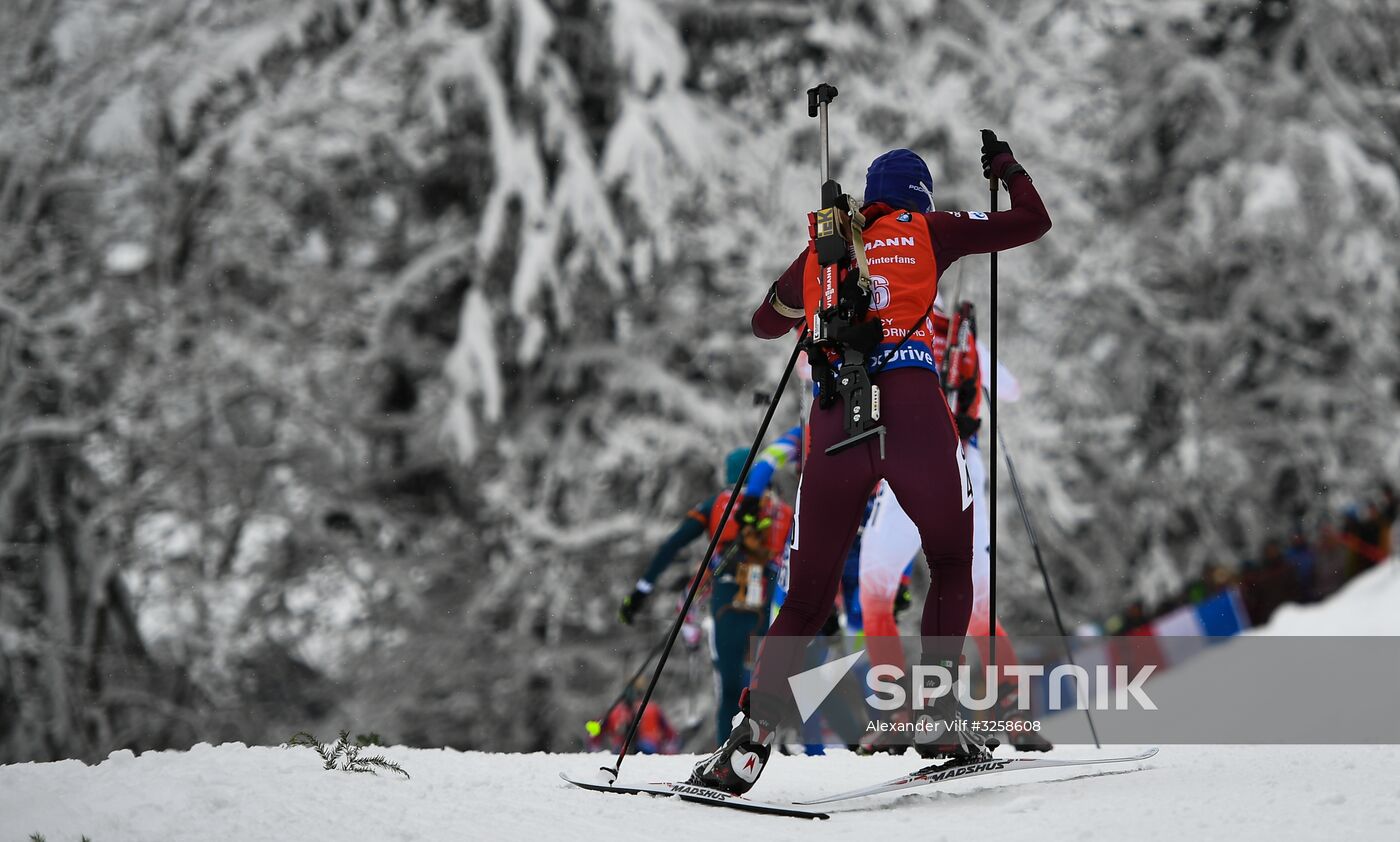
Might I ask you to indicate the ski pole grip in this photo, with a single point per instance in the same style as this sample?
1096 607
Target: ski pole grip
989 136
820 95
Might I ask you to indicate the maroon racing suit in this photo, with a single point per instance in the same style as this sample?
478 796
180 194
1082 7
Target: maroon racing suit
922 461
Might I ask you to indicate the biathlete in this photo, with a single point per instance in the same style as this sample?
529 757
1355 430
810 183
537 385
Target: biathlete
890 538
908 246
741 574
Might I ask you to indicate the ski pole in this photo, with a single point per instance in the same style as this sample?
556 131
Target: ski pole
992 473
595 726
1044 574
705 559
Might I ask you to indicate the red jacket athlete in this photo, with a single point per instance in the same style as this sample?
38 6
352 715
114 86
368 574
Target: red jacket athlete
908 246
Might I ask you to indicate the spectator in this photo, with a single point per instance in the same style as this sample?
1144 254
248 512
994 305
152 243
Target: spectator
1268 583
1363 536
655 734
1306 571
1134 617
1301 556
1389 507
1332 554
1351 539
1218 578
1213 579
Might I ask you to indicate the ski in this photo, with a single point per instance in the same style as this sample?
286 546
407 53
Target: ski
938 774
700 795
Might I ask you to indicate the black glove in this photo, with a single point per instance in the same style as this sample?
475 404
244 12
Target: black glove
902 599
991 147
967 394
832 625
749 511
631 605
967 426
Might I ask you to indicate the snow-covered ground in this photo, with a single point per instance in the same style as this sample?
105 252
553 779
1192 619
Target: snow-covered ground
232 792
235 793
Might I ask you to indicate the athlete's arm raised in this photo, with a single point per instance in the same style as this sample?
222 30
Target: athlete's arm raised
955 234
959 233
769 460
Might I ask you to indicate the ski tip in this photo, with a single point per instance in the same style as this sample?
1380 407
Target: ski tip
603 778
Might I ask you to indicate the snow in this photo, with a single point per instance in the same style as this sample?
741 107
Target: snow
1275 202
471 368
233 792
536 28
120 128
127 258
238 792
231 53
76 35
1086 96
647 45
1365 606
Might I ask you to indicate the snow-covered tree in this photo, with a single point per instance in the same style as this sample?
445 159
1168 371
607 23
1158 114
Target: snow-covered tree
355 353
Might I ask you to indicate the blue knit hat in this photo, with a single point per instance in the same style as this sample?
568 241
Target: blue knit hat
901 179
734 464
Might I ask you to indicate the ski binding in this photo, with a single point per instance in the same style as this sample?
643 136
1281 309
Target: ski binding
700 795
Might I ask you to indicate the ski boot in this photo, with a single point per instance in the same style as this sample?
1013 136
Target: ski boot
945 733
735 766
1009 711
894 741
878 743
1028 741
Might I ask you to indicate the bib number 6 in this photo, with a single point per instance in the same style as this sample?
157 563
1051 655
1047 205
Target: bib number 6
879 292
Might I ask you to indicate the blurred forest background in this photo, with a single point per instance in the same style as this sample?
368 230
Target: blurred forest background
355 354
